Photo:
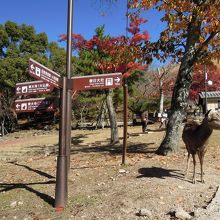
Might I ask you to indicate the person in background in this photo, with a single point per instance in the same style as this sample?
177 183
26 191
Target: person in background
164 118
144 120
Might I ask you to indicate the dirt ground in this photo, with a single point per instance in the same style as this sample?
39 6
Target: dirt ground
98 186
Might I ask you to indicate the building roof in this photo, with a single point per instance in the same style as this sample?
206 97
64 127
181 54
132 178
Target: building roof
210 94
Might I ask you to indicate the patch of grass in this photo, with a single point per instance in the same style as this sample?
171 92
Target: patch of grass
82 200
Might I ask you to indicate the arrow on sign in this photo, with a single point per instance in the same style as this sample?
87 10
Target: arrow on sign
101 81
18 89
40 72
34 87
36 104
117 79
18 106
32 67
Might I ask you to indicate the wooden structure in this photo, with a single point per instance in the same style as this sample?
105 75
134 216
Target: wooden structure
213 100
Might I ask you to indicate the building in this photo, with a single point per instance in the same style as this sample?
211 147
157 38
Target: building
213 100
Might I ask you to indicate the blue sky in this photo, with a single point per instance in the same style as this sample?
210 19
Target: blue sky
50 16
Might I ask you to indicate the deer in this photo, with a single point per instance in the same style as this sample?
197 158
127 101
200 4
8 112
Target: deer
196 136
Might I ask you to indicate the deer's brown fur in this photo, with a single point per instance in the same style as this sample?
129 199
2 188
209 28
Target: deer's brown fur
196 136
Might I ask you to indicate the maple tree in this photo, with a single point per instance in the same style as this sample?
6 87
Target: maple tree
114 54
198 84
191 36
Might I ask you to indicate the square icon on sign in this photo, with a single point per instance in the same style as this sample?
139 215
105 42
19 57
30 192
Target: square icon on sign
23 106
37 71
109 81
24 89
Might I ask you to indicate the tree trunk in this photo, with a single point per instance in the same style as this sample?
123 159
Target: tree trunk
170 144
112 118
161 99
179 102
161 91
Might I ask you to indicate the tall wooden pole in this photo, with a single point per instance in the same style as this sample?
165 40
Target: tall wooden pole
125 131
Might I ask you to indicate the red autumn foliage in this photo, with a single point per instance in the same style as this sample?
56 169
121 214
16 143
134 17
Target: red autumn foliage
198 84
119 54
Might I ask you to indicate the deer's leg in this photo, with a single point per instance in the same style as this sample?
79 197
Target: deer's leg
194 169
187 167
201 159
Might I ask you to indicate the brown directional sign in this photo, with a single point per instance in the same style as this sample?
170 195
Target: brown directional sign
35 87
101 81
36 104
40 72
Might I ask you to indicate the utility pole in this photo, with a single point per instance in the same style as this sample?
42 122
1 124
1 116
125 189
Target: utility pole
205 86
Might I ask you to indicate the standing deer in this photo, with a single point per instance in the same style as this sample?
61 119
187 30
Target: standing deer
195 136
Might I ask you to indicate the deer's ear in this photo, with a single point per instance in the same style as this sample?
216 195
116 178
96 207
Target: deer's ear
207 113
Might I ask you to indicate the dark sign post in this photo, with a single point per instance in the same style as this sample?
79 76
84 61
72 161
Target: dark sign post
48 80
101 81
125 131
63 160
61 193
68 75
35 87
40 72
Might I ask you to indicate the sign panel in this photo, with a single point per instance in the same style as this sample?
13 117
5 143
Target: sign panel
36 104
35 87
101 81
40 72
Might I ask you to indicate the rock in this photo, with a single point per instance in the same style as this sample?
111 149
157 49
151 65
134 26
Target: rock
13 204
145 212
122 171
182 214
20 203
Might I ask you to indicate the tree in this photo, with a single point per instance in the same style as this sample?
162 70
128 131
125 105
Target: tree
17 44
113 54
165 80
198 83
191 36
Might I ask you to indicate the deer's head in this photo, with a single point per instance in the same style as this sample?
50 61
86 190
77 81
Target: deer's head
214 120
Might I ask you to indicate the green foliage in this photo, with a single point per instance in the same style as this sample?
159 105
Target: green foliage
84 64
18 43
57 58
138 106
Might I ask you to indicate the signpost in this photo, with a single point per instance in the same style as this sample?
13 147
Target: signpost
35 87
101 81
36 104
40 72
48 79
67 85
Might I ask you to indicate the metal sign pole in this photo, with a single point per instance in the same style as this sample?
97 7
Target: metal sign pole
61 175
63 162
125 89
205 85
68 73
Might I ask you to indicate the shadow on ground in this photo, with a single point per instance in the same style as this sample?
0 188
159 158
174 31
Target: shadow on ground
103 147
159 172
10 186
5 187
